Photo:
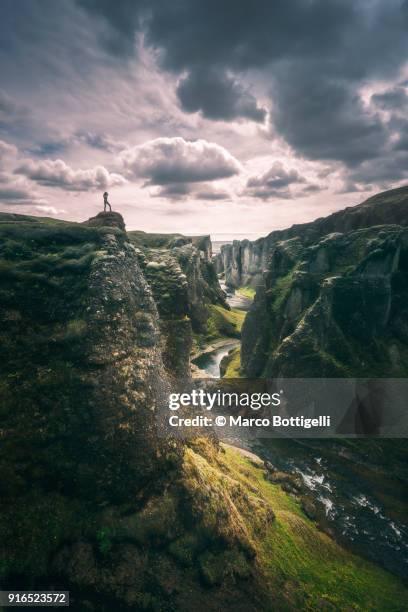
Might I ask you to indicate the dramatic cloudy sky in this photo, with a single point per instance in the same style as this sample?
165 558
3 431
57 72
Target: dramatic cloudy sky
216 116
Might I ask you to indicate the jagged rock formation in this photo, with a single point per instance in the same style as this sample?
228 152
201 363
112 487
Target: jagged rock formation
333 299
94 499
185 286
167 241
80 357
244 262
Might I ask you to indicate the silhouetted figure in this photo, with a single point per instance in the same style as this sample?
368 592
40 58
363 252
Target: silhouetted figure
105 202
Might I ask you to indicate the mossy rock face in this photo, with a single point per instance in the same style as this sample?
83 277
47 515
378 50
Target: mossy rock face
185 288
230 366
107 219
349 270
244 262
82 372
332 308
215 568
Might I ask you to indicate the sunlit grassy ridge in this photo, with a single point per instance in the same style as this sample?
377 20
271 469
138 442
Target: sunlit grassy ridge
306 567
224 323
248 292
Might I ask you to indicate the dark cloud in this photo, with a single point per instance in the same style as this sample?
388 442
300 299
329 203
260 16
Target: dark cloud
218 96
56 173
323 118
176 191
13 115
382 172
166 161
13 193
122 19
316 53
276 183
312 188
94 140
395 99
192 191
211 194
401 144
102 142
240 35
277 177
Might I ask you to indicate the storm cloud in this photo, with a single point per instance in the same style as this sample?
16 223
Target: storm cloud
276 183
204 100
313 57
218 96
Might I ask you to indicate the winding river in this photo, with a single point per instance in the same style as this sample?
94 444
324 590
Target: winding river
209 362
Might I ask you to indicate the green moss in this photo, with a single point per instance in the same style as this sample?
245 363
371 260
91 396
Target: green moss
248 292
215 568
151 241
104 539
184 549
224 323
309 568
233 364
280 292
156 523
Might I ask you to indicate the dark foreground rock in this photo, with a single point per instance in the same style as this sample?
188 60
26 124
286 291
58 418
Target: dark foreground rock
107 219
94 498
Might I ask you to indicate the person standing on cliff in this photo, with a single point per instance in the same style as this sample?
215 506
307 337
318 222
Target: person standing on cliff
105 202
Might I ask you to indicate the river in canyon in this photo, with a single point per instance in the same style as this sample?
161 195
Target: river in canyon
209 362
357 505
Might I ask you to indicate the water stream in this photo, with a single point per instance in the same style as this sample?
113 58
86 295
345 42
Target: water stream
352 491
210 362
345 486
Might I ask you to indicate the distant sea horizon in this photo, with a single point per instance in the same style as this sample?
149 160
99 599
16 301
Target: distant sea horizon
236 236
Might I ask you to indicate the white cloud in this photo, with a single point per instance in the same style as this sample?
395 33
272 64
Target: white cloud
166 161
50 210
56 173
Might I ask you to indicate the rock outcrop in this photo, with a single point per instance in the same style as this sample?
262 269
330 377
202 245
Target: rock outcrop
244 262
81 363
185 287
95 498
107 219
331 302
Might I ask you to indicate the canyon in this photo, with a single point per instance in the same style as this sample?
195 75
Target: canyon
99 325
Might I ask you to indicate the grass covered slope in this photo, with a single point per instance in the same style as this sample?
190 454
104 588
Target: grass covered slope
224 323
303 567
248 292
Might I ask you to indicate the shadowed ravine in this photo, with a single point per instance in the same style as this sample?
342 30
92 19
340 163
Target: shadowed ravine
210 362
